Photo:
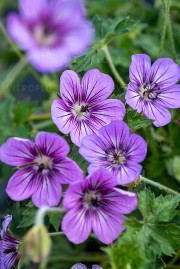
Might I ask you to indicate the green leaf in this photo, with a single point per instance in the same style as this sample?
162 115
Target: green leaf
136 120
28 216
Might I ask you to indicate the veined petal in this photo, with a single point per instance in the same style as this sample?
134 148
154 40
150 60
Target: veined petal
133 97
81 129
18 151
164 72
101 179
6 222
47 191
68 171
107 225
22 184
62 116
10 259
96 86
127 172
114 134
108 110
139 69
19 32
76 225
170 97
72 195
70 87
92 148
52 144
156 112
136 148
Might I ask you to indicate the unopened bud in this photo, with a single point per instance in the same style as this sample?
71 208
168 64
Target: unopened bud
37 243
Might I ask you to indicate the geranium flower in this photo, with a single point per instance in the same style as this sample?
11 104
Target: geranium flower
83 108
82 266
9 246
51 32
96 205
153 89
43 167
115 150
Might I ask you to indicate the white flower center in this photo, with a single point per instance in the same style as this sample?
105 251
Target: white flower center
116 157
147 92
43 37
43 163
80 110
91 198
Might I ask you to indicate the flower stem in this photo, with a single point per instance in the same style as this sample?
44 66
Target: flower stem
10 78
42 116
43 211
112 66
159 186
56 234
165 24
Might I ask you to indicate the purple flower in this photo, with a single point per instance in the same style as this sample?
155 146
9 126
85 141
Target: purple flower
8 246
153 89
51 32
82 266
96 205
83 108
43 167
116 150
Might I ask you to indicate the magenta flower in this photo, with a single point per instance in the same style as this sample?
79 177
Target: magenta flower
8 246
82 266
96 205
115 150
83 108
43 167
51 32
153 89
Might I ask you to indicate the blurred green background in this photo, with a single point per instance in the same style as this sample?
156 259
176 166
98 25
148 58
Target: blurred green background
26 96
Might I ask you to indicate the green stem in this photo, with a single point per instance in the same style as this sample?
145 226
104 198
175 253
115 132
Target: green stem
165 24
159 186
43 211
42 116
83 258
43 124
10 78
112 66
18 53
56 234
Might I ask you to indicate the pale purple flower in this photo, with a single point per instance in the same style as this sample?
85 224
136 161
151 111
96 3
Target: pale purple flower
83 108
43 167
152 88
51 32
96 205
8 246
82 266
115 150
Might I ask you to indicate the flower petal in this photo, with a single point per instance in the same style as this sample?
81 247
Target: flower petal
6 222
18 151
73 38
114 134
92 148
19 32
52 145
136 148
79 266
62 116
67 171
139 69
156 112
96 86
9 259
81 129
165 72
72 195
127 172
170 97
45 59
22 184
95 266
107 225
122 201
133 97
102 179
1 256
31 10
47 191
106 111
76 225
70 87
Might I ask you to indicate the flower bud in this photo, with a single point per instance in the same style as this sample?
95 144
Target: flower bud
37 243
